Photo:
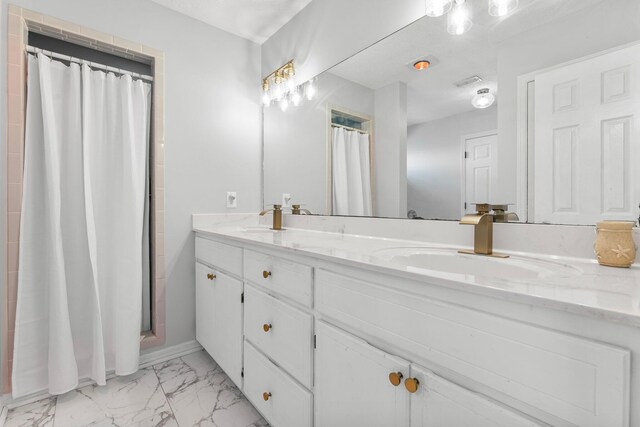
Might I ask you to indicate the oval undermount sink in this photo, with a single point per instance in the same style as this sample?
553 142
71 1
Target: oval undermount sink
257 229
451 262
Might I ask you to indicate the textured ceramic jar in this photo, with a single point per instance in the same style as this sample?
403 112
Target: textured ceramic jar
614 244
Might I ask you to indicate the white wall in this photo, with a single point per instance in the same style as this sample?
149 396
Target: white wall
434 162
295 142
213 124
390 151
329 31
592 30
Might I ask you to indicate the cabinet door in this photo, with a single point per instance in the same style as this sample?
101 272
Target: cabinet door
438 402
219 319
352 385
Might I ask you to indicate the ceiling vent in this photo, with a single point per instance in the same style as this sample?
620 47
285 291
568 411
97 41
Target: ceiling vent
468 81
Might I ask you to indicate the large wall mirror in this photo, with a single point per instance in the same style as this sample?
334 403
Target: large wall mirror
539 109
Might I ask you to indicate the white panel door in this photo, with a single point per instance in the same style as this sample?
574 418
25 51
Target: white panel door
439 402
586 148
219 319
352 386
481 166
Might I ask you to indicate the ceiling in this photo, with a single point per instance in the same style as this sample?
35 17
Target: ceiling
431 94
256 20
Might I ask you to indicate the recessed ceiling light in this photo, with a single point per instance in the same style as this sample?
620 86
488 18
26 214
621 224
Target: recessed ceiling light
422 65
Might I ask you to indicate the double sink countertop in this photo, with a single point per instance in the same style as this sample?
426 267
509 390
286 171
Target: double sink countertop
575 285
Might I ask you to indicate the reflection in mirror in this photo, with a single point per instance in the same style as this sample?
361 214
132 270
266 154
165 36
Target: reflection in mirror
535 109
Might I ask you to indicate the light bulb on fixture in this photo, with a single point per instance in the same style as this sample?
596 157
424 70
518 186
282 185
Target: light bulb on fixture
266 99
459 19
291 84
296 98
284 104
435 8
502 7
311 90
483 99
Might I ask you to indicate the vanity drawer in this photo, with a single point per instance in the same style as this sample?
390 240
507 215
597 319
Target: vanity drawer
284 277
579 381
224 257
282 332
288 405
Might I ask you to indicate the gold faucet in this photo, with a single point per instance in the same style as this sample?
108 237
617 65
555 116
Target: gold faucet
295 210
483 221
277 216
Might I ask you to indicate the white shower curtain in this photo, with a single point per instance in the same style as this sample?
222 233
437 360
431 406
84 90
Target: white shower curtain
81 237
351 173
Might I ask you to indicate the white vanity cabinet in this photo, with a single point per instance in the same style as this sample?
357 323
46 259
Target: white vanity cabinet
219 306
352 386
327 345
438 402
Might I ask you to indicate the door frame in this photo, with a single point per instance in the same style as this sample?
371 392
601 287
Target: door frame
463 164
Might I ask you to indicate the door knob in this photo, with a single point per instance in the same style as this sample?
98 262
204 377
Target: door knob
266 396
411 384
395 378
266 274
211 276
267 327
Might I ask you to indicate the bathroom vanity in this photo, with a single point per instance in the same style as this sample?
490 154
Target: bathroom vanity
328 329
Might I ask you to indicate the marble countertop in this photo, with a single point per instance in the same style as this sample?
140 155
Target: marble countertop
589 289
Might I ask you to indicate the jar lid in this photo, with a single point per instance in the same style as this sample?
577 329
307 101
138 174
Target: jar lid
616 225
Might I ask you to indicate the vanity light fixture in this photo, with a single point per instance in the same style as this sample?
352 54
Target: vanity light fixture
422 65
436 8
459 19
502 7
280 87
483 99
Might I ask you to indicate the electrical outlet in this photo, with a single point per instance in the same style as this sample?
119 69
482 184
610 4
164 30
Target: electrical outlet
286 200
232 199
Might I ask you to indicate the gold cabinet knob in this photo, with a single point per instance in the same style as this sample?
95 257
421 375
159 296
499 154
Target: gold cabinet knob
411 384
267 327
211 276
266 274
266 396
395 378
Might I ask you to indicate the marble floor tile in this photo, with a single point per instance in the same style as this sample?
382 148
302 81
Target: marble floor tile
201 394
134 400
37 414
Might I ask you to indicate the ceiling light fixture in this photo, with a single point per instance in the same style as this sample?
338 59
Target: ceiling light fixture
436 8
459 12
422 65
459 19
483 99
502 7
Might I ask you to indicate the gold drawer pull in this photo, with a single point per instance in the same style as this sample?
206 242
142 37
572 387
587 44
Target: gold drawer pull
411 384
266 274
267 327
395 378
211 276
266 395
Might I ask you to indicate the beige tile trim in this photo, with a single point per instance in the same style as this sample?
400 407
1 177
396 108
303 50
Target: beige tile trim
19 22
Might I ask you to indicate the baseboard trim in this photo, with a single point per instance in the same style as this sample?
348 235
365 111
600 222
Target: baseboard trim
3 415
158 356
147 359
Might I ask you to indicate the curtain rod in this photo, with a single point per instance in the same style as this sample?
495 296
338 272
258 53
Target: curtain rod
335 125
32 49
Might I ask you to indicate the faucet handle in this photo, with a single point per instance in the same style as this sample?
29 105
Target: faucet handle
482 208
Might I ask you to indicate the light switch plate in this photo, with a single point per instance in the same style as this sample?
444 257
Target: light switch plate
232 199
286 200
